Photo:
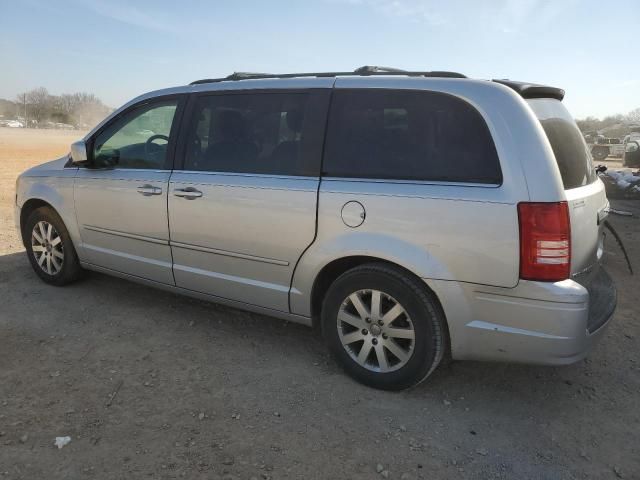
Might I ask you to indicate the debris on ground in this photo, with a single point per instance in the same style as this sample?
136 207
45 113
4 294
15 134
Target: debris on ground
621 184
61 441
113 394
624 213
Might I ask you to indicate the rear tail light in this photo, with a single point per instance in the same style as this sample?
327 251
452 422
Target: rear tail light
545 241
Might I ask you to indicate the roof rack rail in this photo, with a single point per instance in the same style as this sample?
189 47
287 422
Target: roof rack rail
368 69
364 71
245 75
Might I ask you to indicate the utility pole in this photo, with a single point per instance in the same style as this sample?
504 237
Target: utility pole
23 97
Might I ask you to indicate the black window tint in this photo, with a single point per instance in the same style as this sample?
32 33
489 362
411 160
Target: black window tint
571 151
265 133
408 135
139 139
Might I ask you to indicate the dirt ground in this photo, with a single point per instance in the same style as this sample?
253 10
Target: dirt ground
153 385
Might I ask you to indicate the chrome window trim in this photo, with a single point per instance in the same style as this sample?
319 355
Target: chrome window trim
250 175
128 170
411 182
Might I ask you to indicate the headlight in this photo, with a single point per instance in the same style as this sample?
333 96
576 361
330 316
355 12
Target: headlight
631 147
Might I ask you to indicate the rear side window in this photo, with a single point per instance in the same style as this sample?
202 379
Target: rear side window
570 149
408 135
260 133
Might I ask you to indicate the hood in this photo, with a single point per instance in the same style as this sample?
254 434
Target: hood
48 167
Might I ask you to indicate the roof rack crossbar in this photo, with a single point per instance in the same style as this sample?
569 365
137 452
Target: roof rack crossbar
364 71
368 69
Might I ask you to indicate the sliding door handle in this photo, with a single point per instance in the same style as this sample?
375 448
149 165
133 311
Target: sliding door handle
189 193
148 190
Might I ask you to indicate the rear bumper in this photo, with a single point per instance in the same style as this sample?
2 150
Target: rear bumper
535 322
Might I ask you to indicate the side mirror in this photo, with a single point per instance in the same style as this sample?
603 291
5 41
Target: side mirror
79 152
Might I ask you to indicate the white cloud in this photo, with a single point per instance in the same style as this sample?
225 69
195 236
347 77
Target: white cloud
131 15
414 10
508 16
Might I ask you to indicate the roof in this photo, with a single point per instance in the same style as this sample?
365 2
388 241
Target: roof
524 89
364 71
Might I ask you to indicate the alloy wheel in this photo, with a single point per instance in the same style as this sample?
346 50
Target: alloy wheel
375 330
47 248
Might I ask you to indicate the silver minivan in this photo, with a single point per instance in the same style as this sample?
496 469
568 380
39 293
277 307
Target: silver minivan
410 216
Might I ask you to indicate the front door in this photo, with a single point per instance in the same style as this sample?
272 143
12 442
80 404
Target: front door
121 198
243 208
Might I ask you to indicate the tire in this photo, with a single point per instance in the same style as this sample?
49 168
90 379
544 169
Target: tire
45 247
395 360
600 153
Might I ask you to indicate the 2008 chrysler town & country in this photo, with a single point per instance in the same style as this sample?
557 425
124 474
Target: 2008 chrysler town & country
410 215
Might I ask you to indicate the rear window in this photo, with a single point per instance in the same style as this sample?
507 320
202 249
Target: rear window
570 149
408 135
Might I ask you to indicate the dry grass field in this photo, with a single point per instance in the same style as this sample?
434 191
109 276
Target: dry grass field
153 385
21 149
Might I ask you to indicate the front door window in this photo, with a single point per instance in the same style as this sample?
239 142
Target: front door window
139 139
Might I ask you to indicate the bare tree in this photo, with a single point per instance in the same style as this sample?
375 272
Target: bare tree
633 116
80 109
39 102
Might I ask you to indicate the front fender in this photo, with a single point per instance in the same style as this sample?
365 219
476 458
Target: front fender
55 191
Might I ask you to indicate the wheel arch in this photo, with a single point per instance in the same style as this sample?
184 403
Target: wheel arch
331 271
54 193
27 209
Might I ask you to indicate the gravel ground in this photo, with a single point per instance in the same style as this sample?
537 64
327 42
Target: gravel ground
153 385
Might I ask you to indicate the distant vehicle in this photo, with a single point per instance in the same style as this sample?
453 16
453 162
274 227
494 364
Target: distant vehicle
602 147
397 211
12 124
632 150
59 126
146 132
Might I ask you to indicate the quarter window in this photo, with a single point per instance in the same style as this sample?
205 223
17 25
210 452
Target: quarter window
262 133
137 140
408 135
568 145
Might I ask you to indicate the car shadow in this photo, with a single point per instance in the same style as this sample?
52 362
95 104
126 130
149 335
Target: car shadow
139 309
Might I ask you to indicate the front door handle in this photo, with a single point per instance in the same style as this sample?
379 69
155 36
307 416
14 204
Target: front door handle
148 190
189 193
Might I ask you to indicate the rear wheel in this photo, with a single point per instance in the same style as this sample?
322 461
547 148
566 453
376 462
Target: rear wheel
383 326
49 248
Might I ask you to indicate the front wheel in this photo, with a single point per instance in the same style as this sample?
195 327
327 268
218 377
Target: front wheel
50 249
384 326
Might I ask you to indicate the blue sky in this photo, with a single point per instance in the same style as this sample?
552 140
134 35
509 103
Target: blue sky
118 49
